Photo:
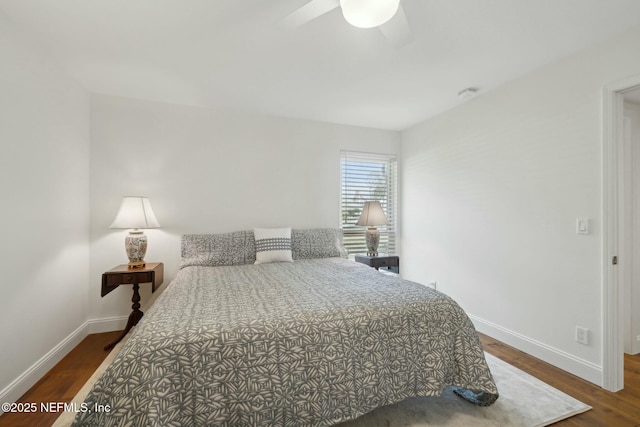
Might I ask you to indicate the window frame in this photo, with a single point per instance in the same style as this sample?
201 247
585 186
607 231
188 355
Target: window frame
384 168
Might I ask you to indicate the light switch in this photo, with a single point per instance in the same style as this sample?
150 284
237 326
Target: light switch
582 226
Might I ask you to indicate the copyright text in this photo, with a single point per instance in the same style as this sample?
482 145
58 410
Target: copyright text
49 407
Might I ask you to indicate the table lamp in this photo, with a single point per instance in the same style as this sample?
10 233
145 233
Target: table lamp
372 215
135 214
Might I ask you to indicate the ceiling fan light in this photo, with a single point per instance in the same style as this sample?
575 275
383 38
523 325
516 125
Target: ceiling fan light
368 13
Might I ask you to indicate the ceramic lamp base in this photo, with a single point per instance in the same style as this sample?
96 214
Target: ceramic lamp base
136 246
372 237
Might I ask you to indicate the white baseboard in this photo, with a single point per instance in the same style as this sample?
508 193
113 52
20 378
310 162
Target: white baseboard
107 324
28 378
582 368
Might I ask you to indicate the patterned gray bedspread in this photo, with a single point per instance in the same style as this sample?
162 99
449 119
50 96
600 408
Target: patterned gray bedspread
308 343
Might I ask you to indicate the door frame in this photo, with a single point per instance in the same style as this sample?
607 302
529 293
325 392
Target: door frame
614 231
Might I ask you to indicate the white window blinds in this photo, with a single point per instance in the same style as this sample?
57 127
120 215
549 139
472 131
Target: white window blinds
364 177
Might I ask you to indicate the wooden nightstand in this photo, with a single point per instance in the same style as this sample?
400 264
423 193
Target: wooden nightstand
152 272
391 262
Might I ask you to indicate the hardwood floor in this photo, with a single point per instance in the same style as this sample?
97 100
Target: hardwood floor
62 382
621 409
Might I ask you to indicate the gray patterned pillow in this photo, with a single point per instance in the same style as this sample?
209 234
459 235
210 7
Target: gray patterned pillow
218 249
317 243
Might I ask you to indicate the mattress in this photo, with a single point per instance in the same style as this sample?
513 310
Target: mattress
307 343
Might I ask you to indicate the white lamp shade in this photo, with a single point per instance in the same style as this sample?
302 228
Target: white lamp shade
368 13
372 215
135 212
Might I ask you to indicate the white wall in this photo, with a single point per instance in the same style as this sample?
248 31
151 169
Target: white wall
209 171
44 220
491 193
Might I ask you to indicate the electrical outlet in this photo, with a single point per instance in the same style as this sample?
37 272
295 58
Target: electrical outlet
638 338
582 335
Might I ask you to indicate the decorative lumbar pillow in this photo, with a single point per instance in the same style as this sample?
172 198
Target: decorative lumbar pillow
273 245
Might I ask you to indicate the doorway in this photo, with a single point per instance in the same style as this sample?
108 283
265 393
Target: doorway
617 229
631 214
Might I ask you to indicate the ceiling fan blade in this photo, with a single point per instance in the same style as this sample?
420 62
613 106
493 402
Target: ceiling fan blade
308 12
397 30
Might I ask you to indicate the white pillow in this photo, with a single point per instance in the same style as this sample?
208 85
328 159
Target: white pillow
273 245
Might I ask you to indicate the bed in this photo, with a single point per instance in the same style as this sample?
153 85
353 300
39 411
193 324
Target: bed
312 342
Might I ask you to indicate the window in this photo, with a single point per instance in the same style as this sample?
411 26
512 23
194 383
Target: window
363 177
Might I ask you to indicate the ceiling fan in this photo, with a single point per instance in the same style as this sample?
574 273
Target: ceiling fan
387 15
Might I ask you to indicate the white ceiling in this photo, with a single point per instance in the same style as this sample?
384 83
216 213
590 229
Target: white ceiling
232 54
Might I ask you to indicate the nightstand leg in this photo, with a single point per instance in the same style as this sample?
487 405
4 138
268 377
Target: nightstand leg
134 317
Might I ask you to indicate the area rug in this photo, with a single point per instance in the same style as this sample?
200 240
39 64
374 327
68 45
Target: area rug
524 401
